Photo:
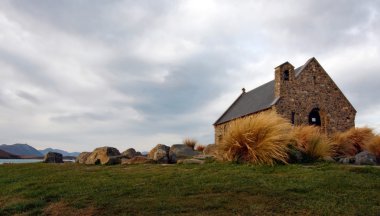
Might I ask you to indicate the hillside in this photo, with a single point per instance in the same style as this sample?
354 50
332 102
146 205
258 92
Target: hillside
21 149
209 189
64 153
6 155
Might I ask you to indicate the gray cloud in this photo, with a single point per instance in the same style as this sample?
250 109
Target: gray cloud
133 74
28 97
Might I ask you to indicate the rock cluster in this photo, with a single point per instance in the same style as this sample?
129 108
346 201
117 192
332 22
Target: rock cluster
130 153
110 156
53 157
362 158
160 154
104 156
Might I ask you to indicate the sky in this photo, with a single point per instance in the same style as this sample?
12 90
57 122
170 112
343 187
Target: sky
80 74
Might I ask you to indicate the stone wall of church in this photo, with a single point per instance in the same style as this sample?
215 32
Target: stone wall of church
313 88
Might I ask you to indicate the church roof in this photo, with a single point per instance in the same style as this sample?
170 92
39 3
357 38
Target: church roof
253 101
258 99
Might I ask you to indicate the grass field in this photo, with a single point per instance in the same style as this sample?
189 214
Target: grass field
210 189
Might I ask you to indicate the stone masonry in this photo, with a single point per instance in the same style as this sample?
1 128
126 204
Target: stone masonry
301 95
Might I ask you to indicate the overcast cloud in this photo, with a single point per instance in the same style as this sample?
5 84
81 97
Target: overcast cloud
80 74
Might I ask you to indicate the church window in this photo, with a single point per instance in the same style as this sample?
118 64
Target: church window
293 117
286 75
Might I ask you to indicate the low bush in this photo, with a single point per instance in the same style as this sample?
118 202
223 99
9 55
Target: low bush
190 142
258 139
312 143
200 148
352 141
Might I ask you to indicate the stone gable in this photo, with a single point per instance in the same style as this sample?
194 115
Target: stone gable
306 95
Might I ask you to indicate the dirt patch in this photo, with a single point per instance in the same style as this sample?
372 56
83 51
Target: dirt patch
62 208
7 201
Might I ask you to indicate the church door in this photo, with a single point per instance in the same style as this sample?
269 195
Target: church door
314 117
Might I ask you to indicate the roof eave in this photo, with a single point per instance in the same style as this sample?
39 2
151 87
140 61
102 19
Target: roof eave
261 110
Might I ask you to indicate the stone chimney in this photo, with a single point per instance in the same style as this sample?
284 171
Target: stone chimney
284 76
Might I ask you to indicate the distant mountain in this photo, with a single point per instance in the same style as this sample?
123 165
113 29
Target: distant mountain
21 149
6 155
64 153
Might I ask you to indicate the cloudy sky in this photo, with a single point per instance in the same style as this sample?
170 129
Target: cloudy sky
80 74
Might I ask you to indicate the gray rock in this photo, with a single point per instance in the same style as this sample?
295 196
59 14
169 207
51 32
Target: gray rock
191 161
160 154
53 157
104 155
137 160
295 155
347 160
130 153
204 157
365 158
181 151
82 157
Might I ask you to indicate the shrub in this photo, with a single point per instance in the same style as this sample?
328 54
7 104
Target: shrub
311 143
200 148
258 139
352 141
373 146
190 142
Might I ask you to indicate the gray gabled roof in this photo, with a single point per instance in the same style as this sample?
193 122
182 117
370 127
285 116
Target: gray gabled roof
258 99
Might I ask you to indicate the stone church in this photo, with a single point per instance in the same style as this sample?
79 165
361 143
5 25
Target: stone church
305 95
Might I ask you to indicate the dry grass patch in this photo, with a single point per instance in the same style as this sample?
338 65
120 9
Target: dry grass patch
258 139
312 143
373 146
352 141
62 208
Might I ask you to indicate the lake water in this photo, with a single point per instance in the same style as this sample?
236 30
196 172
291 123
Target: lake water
17 161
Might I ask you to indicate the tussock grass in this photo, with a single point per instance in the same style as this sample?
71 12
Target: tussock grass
373 146
352 141
258 139
312 143
190 142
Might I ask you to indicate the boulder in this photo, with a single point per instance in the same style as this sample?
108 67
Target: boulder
191 161
347 160
82 157
137 160
53 157
104 155
294 155
365 158
130 153
204 157
181 151
160 154
210 149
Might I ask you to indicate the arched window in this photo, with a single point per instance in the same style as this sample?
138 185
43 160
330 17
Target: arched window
314 117
286 75
293 118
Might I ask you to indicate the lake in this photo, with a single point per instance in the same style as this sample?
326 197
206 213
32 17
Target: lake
18 161
2 161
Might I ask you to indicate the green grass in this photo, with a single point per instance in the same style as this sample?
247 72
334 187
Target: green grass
210 189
